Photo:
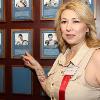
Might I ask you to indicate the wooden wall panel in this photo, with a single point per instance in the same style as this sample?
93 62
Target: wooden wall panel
8 62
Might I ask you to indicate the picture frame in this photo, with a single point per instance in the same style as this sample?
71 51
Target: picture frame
95 5
2 79
22 10
21 41
2 43
49 44
49 8
2 10
21 80
92 5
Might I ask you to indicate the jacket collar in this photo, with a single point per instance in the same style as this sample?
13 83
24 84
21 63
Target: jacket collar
77 58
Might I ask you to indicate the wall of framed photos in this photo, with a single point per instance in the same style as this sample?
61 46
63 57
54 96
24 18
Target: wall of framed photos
24 28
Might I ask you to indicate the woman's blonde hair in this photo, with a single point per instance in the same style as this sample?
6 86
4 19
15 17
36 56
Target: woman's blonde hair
85 14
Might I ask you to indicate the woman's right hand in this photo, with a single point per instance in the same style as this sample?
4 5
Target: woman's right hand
30 61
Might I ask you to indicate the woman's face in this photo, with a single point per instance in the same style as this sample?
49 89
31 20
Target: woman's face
73 30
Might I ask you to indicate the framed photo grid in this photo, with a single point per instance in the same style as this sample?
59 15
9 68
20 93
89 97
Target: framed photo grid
22 41
2 43
49 8
22 10
49 44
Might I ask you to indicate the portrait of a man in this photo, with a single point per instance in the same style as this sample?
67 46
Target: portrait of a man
21 3
21 39
50 39
51 3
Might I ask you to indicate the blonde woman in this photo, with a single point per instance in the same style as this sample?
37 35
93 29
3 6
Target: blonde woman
75 75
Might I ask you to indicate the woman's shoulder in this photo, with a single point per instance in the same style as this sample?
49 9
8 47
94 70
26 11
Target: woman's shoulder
96 57
96 64
96 52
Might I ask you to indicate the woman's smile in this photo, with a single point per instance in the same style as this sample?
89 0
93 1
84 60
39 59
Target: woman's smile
70 36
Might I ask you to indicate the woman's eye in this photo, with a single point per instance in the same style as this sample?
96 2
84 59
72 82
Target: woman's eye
76 21
63 22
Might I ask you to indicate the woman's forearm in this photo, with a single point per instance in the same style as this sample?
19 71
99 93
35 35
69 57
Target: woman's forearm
42 79
32 63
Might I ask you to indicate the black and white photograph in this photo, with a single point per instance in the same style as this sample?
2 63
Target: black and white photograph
50 40
21 3
21 39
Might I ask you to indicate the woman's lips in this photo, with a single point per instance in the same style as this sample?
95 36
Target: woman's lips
69 36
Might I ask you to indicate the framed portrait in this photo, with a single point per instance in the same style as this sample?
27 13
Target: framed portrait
2 44
21 80
49 8
2 10
21 42
49 44
22 10
2 79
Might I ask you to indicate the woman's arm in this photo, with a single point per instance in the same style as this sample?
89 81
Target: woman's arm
32 63
43 79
